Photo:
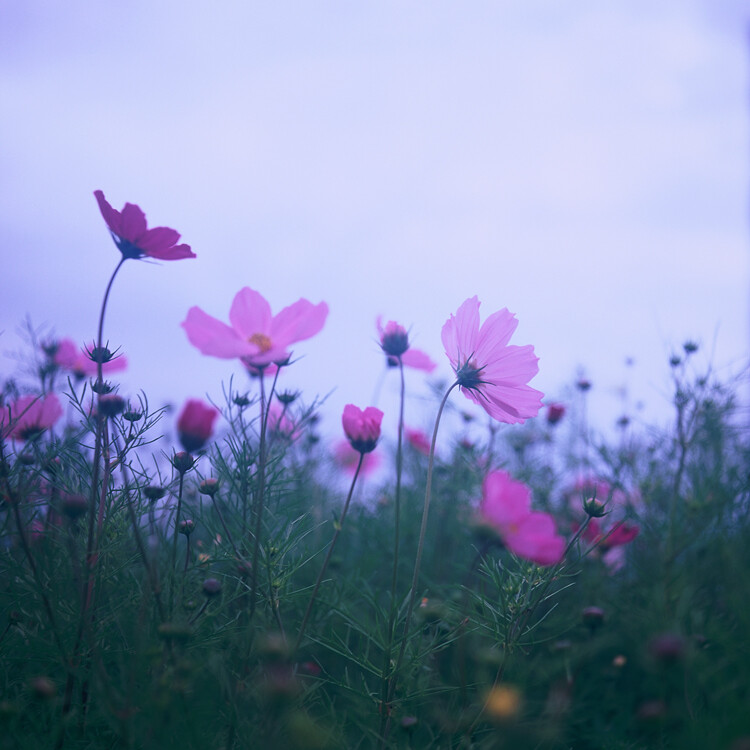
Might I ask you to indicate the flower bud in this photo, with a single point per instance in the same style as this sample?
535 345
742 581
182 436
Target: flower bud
132 415
287 397
100 354
211 587
102 388
186 527
394 340
74 506
183 462
593 617
209 487
195 425
154 493
555 412
594 508
110 404
583 385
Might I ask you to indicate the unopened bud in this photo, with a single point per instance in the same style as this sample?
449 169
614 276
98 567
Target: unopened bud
183 461
186 527
74 506
154 493
102 388
211 587
287 397
593 617
594 508
209 487
110 404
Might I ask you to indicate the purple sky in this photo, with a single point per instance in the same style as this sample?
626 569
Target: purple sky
583 164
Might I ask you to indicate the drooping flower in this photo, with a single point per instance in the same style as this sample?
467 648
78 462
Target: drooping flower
29 416
394 341
489 371
362 428
254 335
69 357
418 440
195 425
133 237
347 459
506 508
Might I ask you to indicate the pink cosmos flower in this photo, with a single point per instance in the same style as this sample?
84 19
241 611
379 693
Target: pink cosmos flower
195 425
68 356
506 507
29 416
489 371
394 341
418 440
618 535
133 237
348 458
255 336
362 428
280 424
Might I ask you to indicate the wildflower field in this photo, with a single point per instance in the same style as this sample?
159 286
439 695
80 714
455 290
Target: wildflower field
536 587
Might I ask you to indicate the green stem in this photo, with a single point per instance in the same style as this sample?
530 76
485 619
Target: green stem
418 560
174 545
260 495
336 534
396 540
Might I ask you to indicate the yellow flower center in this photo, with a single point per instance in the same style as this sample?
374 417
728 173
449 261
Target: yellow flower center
261 341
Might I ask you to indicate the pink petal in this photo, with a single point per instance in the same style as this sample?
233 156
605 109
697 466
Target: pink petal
132 224
460 332
495 334
250 314
213 337
111 217
298 322
417 359
504 500
511 365
178 252
158 238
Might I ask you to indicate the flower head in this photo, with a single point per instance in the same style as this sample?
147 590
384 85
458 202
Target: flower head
394 341
555 412
362 428
506 508
489 371
133 237
195 424
29 416
418 440
69 357
254 335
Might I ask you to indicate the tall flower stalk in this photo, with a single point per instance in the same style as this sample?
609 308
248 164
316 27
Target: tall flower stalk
362 428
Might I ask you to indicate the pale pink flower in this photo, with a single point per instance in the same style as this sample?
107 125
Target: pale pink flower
418 439
394 341
69 357
195 425
280 424
506 508
133 237
489 371
347 458
29 416
254 335
362 428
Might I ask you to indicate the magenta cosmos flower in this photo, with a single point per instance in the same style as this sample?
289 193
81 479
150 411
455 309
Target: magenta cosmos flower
195 425
29 416
362 428
506 508
69 357
489 371
394 341
254 335
418 440
133 237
